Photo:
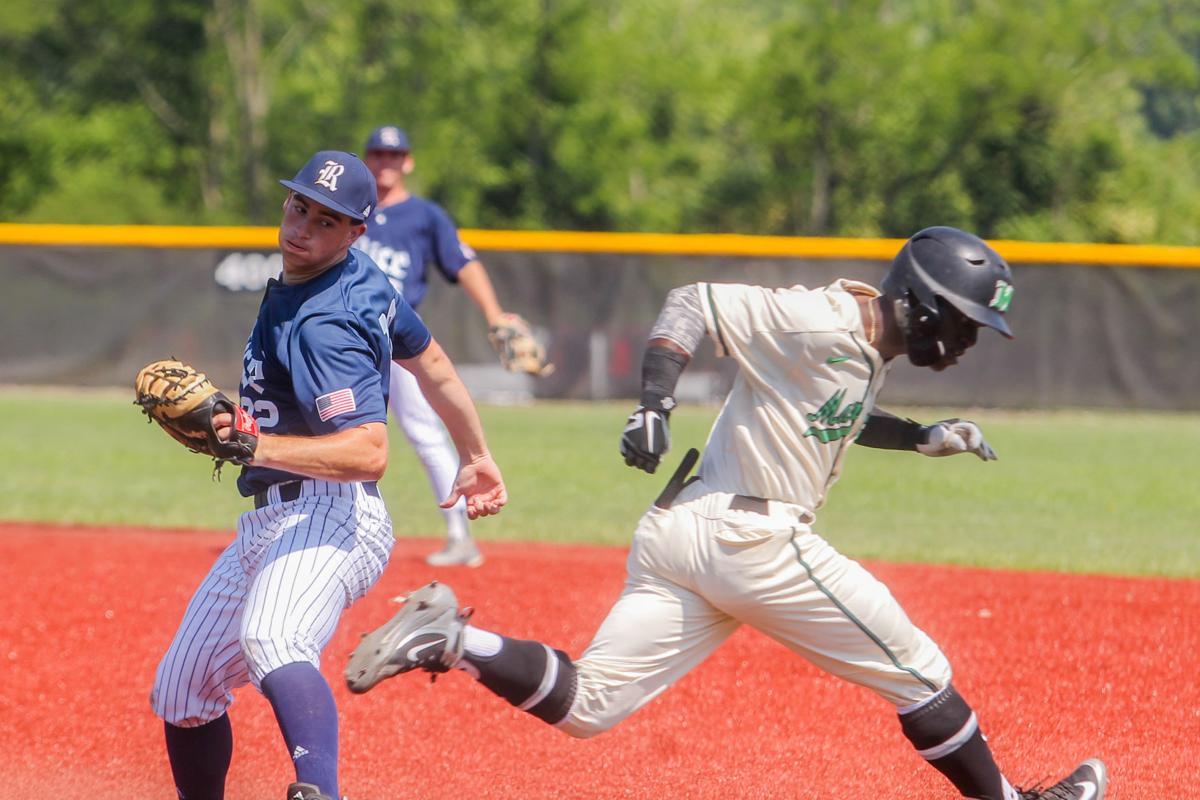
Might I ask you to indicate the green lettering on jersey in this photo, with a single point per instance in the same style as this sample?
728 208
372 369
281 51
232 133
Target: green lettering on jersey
831 422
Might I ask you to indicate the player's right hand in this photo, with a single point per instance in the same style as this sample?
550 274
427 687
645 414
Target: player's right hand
646 438
480 482
952 436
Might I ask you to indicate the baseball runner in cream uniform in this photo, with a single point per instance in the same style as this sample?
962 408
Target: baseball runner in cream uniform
736 544
721 556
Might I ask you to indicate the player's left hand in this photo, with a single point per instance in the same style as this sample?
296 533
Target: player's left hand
198 415
480 482
953 436
518 350
646 438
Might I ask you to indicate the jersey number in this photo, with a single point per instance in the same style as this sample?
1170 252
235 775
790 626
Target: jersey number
265 413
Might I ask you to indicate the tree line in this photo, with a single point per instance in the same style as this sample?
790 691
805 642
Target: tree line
1076 120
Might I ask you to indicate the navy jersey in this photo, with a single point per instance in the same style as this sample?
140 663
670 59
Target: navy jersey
317 361
405 238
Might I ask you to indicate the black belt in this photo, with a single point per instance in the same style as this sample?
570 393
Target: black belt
738 502
290 490
744 502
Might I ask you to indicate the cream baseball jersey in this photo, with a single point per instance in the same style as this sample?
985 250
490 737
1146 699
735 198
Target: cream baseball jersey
806 382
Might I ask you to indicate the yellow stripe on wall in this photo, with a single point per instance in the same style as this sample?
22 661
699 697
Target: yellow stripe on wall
169 236
688 244
264 238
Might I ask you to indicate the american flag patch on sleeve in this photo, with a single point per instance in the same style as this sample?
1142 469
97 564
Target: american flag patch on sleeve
334 403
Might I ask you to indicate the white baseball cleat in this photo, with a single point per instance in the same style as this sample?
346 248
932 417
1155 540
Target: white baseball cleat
1087 782
459 553
427 633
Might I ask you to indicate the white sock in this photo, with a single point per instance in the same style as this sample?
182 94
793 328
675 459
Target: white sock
481 643
457 529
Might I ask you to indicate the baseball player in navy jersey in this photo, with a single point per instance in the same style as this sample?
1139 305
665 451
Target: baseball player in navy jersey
736 543
316 379
408 236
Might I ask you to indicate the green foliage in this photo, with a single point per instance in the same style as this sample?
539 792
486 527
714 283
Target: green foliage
101 104
1090 492
1076 120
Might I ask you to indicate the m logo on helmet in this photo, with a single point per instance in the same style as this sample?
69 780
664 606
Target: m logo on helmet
329 174
1002 297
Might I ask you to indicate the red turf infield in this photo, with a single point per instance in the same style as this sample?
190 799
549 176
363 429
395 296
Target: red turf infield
1059 668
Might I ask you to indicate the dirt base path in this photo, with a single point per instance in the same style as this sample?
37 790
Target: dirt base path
1058 667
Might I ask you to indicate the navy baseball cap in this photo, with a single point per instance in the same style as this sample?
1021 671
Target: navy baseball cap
338 181
388 137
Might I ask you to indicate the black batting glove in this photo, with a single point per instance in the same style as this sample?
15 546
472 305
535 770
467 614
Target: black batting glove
646 438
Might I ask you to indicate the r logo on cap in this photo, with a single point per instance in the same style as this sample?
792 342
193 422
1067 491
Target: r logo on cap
390 136
329 174
338 180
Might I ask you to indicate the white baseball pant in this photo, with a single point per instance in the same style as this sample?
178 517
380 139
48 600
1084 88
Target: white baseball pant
700 569
425 432
274 596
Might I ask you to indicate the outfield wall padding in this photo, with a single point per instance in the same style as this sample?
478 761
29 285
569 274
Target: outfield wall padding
1087 335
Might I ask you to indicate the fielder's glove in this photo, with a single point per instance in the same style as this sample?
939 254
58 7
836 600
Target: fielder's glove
184 402
646 438
952 436
518 350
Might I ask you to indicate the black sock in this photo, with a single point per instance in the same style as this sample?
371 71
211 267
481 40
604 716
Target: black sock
530 676
946 734
200 758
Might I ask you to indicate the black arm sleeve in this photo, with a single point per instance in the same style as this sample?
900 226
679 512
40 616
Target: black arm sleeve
661 368
888 432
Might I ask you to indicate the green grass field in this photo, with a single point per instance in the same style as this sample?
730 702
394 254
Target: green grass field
1073 491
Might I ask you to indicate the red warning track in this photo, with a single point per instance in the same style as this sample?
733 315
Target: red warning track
1059 668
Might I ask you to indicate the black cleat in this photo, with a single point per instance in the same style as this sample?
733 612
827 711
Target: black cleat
1088 782
305 791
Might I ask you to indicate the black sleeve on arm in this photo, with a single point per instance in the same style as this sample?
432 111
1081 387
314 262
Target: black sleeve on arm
661 368
888 432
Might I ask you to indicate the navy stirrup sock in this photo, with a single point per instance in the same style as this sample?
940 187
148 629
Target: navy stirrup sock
307 717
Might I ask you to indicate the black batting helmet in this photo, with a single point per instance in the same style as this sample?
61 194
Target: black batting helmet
940 268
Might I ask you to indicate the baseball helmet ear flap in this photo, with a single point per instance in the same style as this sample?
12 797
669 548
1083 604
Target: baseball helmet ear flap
921 324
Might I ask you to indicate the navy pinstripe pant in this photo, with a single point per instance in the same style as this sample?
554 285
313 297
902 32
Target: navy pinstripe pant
273 597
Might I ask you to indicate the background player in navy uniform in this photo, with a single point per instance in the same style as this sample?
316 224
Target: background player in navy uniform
407 236
736 545
316 379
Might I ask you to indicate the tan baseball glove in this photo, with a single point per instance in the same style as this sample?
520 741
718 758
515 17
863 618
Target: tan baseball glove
513 341
184 401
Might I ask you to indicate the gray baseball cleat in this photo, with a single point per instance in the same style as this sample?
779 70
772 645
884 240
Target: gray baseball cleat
427 633
458 553
305 791
1087 782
